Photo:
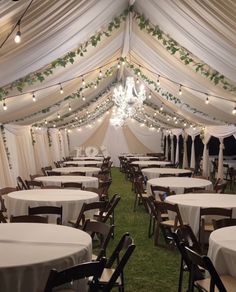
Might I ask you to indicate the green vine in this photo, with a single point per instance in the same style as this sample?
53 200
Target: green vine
182 53
5 146
32 136
49 138
60 142
69 58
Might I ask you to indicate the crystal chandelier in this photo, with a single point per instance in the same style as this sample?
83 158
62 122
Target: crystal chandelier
128 101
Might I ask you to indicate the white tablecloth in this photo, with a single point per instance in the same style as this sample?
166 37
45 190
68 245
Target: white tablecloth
190 204
177 184
142 157
100 158
17 203
88 170
83 162
222 250
28 251
87 181
155 172
144 163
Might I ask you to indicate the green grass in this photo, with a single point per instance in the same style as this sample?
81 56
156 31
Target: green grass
150 268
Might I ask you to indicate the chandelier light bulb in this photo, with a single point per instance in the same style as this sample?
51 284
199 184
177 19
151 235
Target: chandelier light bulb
4 106
61 89
180 89
234 110
33 97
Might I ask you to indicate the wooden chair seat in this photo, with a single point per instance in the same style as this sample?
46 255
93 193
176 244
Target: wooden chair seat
228 281
106 276
209 228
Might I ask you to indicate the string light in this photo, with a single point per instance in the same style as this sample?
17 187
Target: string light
118 65
137 81
69 108
33 97
207 99
4 105
18 34
54 125
234 110
83 82
161 107
61 89
95 86
45 122
123 62
83 98
58 116
158 80
76 118
180 89
149 95
100 73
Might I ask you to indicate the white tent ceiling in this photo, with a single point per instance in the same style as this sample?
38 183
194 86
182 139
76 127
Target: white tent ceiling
203 31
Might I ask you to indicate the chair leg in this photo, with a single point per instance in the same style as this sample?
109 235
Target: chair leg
181 275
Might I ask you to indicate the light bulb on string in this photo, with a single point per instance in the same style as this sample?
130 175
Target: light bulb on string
100 73
58 116
234 110
123 62
95 86
54 125
69 108
18 34
61 89
33 97
161 107
83 98
4 105
45 122
76 118
149 95
207 100
180 89
118 65
158 80
137 80
83 82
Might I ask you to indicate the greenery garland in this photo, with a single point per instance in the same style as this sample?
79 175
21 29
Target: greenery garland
5 146
182 53
32 136
74 95
49 138
69 58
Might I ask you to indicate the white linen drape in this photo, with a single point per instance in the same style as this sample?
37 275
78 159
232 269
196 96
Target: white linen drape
192 133
177 133
55 147
20 146
205 159
185 155
220 172
5 174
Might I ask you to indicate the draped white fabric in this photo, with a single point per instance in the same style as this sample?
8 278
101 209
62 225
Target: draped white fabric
193 133
5 174
205 160
55 147
177 133
167 147
21 151
172 156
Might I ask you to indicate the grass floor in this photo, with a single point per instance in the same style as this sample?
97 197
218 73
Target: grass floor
150 268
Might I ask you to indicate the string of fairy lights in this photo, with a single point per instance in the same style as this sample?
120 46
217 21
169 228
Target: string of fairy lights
121 62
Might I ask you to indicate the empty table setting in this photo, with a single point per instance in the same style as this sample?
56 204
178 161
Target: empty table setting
190 204
29 251
155 172
17 203
83 162
178 184
89 171
87 181
222 250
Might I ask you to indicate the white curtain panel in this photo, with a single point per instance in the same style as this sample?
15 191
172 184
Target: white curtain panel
185 155
193 133
177 133
5 174
21 150
64 142
205 157
55 147
42 151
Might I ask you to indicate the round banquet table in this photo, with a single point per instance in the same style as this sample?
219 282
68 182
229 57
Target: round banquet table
87 181
145 163
89 171
190 204
83 162
89 158
17 203
155 172
177 184
142 157
222 250
28 252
